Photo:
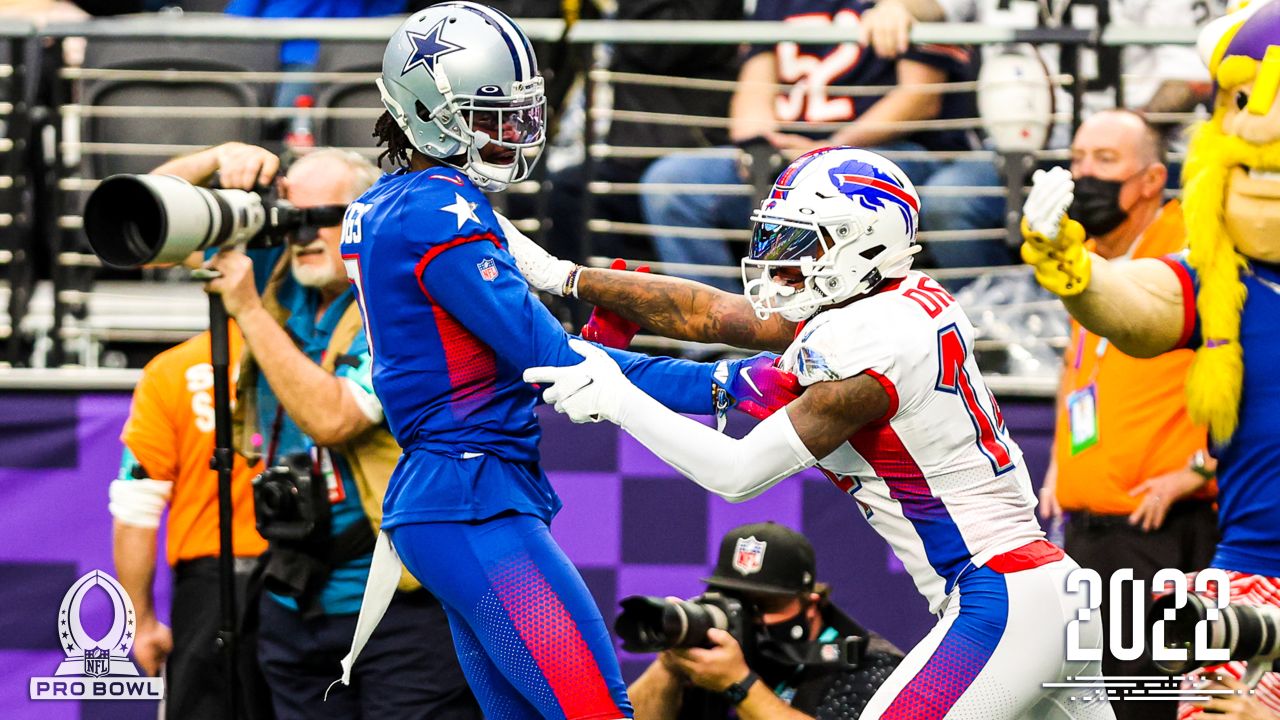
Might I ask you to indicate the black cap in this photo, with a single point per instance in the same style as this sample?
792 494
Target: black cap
764 558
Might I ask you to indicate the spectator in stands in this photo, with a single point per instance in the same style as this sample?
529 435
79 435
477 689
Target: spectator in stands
770 568
1128 466
168 442
566 203
825 83
305 392
1158 78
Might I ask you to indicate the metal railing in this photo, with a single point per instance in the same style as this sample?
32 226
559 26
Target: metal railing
82 312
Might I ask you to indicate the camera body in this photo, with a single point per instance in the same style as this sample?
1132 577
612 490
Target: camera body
653 624
291 500
159 220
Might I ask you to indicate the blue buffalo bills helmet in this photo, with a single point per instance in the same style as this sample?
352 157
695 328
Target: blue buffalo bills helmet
846 218
459 76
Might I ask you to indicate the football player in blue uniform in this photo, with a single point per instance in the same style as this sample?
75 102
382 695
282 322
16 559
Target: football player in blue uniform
452 326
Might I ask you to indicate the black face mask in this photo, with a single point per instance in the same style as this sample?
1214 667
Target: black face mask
775 654
794 630
1096 205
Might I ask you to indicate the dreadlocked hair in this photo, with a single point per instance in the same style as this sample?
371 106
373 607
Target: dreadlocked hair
388 133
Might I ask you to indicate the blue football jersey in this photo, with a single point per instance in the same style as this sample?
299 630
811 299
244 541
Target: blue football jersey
1248 478
452 326
819 71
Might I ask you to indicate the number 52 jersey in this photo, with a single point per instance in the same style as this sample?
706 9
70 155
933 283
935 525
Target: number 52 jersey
938 475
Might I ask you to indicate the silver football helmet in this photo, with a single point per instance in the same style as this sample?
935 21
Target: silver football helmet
460 76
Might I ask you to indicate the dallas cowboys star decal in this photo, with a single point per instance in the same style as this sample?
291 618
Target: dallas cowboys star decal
428 48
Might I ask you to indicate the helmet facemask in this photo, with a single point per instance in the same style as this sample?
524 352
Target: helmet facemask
512 127
844 219
460 126
838 261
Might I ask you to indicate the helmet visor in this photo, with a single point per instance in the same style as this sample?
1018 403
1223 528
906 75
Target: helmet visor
514 127
511 124
781 241
524 126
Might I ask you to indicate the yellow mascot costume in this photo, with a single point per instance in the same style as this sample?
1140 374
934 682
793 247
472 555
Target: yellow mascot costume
1221 297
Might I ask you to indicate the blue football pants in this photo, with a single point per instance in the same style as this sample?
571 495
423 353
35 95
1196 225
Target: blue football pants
528 634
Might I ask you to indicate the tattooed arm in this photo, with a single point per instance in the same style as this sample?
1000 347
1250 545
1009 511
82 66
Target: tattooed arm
675 308
683 309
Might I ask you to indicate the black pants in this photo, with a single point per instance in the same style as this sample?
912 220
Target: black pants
196 678
1107 543
407 671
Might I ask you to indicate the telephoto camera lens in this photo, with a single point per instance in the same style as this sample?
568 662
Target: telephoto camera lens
652 624
159 220
1250 634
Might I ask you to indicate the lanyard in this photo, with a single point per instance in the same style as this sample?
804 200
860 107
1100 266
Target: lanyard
1098 353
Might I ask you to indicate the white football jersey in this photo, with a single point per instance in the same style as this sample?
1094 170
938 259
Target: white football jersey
938 476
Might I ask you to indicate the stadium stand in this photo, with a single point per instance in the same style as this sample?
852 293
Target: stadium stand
128 108
156 86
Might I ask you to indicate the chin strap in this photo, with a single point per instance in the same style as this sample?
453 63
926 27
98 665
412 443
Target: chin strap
396 109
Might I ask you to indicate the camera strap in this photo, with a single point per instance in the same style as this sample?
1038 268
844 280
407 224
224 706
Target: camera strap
301 572
276 425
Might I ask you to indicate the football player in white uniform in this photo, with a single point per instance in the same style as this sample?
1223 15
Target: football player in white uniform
894 412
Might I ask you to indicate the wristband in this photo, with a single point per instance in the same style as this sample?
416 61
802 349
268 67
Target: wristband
570 286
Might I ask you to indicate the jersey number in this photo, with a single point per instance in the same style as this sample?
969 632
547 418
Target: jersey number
355 277
954 379
812 75
353 234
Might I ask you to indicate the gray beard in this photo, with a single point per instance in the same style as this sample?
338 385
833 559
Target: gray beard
313 277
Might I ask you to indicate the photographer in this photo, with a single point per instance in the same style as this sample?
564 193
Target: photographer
770 568
1242 704
305 403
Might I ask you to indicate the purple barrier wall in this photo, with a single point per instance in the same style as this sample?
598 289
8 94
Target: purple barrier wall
630 523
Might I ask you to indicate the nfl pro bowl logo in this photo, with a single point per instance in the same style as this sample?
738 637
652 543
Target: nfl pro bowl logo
96 668
748 555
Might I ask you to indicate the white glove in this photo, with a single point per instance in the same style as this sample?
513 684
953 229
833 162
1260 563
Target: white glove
593 390
541 269
1051 194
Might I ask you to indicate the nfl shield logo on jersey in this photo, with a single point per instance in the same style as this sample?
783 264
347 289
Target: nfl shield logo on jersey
488 269
748 556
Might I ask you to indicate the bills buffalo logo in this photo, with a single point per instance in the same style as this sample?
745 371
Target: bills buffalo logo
873 188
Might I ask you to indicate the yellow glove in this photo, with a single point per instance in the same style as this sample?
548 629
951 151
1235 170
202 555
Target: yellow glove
1053 243
1062 265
